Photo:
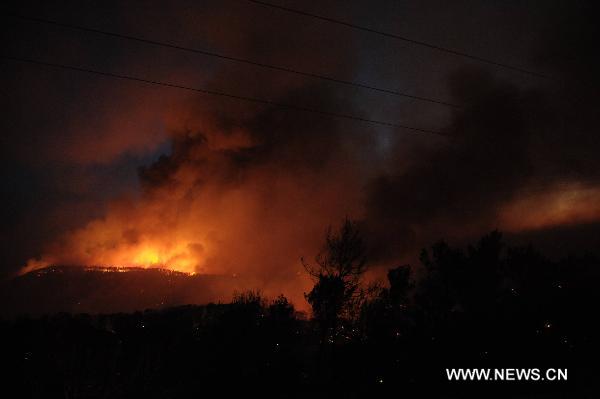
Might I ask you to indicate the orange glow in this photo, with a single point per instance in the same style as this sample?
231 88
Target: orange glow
562 205
203 214
155 252
256 230
147 257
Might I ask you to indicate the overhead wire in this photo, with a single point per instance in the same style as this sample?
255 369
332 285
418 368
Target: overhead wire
224 94
231 58
399 37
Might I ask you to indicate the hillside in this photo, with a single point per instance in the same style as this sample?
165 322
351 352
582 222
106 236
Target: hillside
78 289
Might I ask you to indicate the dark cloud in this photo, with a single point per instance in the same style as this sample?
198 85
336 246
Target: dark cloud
507 144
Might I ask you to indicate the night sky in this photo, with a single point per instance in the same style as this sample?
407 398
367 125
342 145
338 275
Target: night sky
99 170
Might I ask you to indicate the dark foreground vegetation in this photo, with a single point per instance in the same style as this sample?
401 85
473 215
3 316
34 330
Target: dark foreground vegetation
484 307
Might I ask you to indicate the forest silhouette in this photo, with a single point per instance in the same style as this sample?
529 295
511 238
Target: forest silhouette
489 305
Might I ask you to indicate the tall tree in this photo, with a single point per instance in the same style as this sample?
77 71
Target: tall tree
337 271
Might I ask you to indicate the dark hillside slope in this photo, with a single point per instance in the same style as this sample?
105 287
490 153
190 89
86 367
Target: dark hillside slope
77 289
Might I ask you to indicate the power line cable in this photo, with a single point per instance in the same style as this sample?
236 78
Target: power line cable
237 59
403 38
224 94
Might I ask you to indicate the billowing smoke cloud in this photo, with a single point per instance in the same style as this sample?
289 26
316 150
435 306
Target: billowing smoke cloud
244 197
245 190
519 159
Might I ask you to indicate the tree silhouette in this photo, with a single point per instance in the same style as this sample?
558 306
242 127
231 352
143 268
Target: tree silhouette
337 271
